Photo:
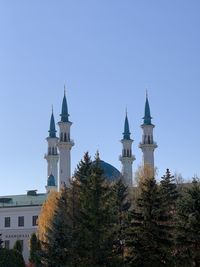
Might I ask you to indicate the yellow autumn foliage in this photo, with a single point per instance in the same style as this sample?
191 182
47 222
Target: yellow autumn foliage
46 215
144 172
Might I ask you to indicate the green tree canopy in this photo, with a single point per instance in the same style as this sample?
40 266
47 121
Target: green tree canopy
18 246
188 231
11 258
35 250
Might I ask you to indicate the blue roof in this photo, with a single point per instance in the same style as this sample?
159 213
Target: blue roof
22 200
52 128
51 180
126 133
110 173
147 114
64 115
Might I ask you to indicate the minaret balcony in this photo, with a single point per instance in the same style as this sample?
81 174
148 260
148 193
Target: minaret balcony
125 158
46 155
66 144
152 145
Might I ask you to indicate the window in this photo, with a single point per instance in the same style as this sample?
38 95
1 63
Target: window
35 220
7 244
21 221
7 222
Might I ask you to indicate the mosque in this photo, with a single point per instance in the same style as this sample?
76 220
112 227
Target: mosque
59 150
19 213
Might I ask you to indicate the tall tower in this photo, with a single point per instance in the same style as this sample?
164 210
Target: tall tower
127 158
64 145
147 145
52 157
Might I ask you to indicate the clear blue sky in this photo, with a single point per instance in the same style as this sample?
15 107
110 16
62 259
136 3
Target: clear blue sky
107 53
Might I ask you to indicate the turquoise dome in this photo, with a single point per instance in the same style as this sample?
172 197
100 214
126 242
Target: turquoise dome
51 180
110 173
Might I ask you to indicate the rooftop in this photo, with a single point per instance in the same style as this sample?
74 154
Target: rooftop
22 200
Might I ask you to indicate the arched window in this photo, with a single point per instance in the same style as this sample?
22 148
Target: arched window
61 137
124 152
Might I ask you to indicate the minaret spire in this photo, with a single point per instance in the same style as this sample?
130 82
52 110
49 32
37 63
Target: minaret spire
52 157
127 158
64 113
147 145
147 114
64 145
52 128
126 133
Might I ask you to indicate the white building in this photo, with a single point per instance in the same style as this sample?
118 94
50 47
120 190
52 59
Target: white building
18 218
19 213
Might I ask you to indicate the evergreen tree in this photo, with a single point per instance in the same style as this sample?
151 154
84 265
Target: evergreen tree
57 248
188 230
76 194
35 251
18 246
121 205
147 238
168 198
1 241
83 169
11 258
95 228
169 193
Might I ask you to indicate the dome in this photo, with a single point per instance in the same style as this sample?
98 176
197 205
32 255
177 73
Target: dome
51 180
110 173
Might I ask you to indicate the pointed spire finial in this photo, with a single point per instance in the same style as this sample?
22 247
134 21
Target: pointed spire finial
64 90
52 108
64 113
147 114
97 154
52 128
126 133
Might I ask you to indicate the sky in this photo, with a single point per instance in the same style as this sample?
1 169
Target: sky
107 52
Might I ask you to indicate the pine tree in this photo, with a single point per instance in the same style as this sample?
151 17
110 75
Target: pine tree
76 192
11 258
121 205
188 230
95 231
35 251
18 246
83 169
169 193
57 248
146 241
168 198
1 241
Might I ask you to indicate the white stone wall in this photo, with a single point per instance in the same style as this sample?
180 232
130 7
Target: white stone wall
15 232
52 160
127 161
64 145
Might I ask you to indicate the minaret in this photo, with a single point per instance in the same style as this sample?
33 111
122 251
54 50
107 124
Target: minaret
52 157
64 145
127 158
148 145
